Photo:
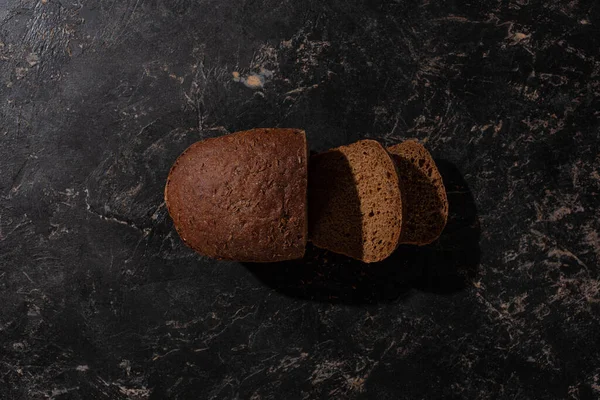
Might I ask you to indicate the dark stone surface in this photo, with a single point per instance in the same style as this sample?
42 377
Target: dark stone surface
99 299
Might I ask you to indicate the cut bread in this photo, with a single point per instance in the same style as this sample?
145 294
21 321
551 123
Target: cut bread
242 196
423 193
354 201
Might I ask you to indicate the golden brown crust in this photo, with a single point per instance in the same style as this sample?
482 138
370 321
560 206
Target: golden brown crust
423 193
242 196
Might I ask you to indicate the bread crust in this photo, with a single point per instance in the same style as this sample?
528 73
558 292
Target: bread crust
242 196
423 193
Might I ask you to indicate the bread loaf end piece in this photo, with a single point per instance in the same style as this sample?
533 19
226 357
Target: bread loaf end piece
423 193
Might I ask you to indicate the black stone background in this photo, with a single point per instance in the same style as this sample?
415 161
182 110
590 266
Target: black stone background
99 299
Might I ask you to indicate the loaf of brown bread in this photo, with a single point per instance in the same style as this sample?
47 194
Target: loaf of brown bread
424 198
242 196
354 201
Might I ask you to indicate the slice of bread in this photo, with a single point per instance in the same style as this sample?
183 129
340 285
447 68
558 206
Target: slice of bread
242 196
423 193
354 201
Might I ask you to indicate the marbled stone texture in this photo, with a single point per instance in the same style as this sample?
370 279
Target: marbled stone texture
99 298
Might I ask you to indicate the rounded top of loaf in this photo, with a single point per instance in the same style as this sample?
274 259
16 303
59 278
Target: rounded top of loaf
242 196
